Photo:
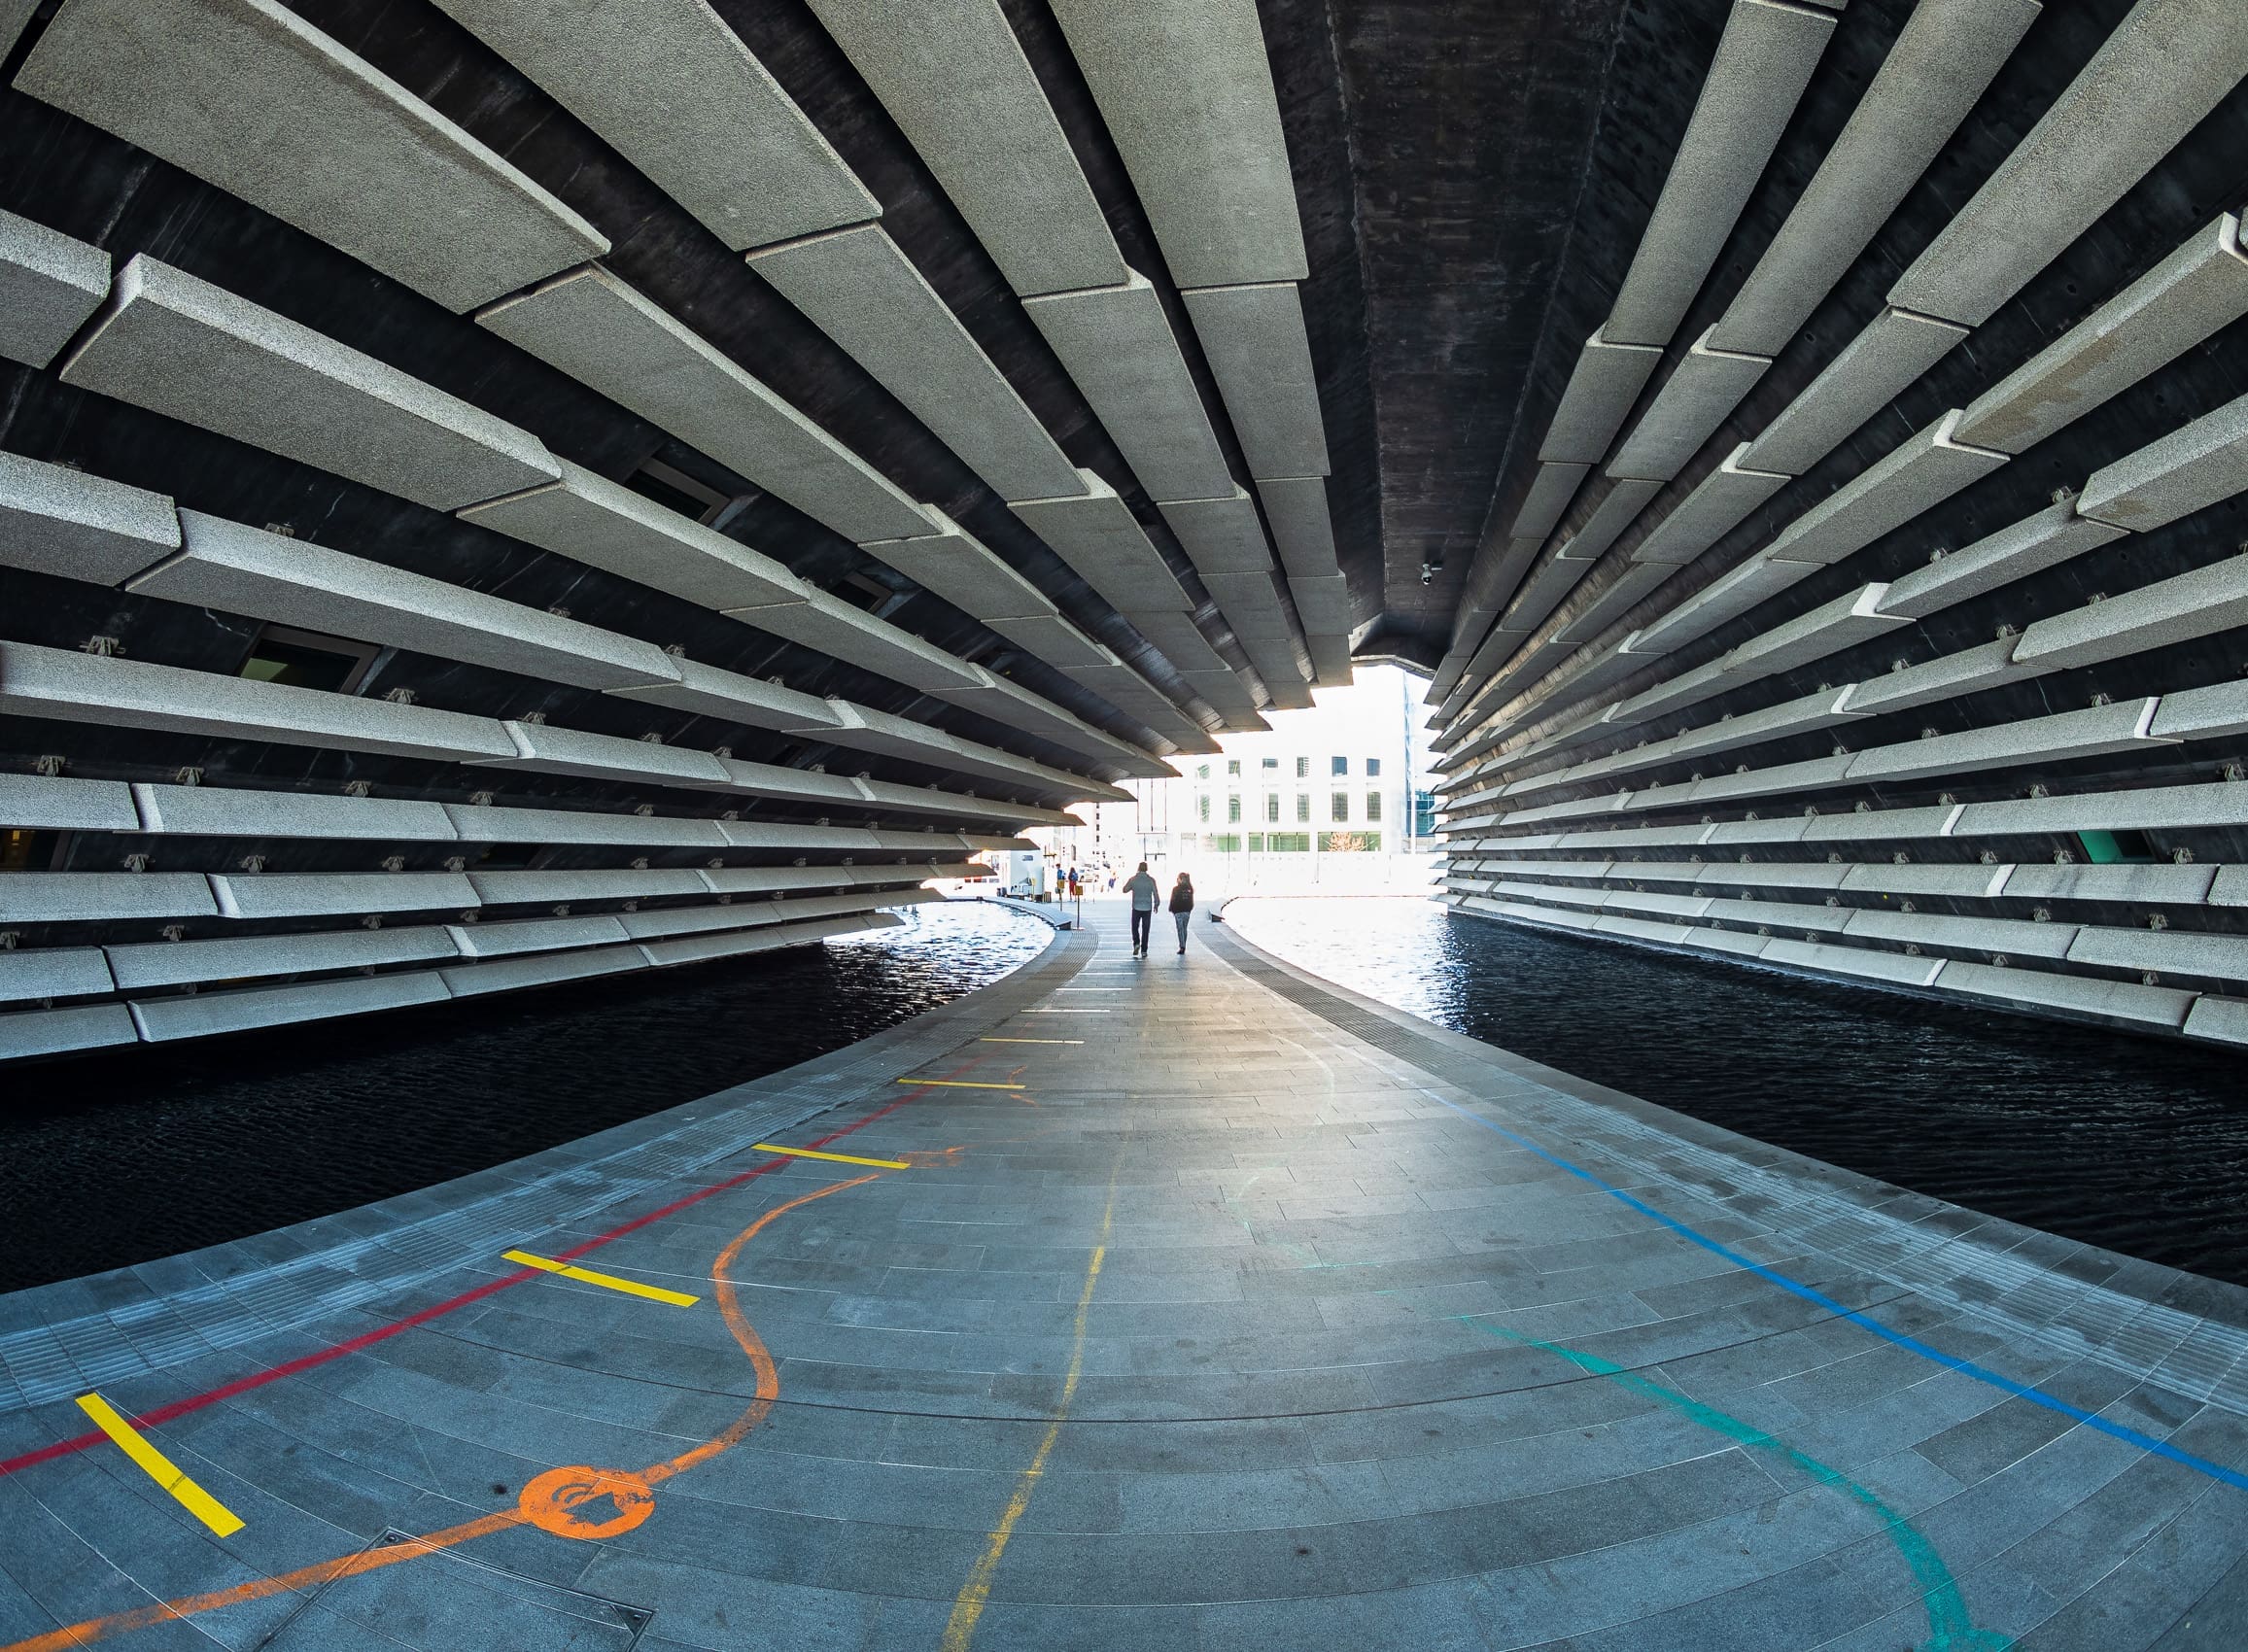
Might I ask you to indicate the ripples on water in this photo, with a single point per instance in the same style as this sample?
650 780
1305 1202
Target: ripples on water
2134 1143
111 1159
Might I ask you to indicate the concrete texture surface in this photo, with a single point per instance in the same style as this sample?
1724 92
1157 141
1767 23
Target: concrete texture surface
1235 1311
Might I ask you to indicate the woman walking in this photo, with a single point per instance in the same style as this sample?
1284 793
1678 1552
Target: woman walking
1182 906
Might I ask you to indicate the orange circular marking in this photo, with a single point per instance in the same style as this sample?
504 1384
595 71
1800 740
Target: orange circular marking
577 1502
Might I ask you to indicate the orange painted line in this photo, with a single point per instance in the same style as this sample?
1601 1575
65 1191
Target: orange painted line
547 1503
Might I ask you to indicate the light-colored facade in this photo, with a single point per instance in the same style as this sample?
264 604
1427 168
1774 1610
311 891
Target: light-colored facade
1334 795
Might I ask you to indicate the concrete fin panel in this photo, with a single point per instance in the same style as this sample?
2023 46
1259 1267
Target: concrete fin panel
856 287
1892 353
620 883
694 950
1934 73
1256 346
963 571
2170 611
1220 535
1180 640
176 963
1096 533
59 803
772 780
89 897
240 570
2221 804
833 627
1549 496
2065 735
2121 885
1620 507
2084 995
337 148
2217 1019
542 749
1915 478
1187 93
1865 962
602 333
322 894
2166 66
1612 602
675 92
1049 637
710 690
14 15
230 811
55 1032
1281 666
1698 396
592 520
56 519
1725 598
164 1020
2168 952
1118 345
1970 671
1303 533
53 972
2197 290
1330 660
1721 501
1556 578
1602 386
1828 628
487 823
2183 472
953 74
1250 604
86 688
2037 542
2215 712
50 285
193 351
1323 604
1763 62
540 969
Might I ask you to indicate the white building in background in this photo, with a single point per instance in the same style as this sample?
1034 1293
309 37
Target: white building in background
1334 797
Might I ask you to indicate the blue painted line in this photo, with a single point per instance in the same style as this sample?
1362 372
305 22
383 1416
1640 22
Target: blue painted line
1936 1356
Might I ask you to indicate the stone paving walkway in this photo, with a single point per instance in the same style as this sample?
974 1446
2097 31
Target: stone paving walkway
1192 1304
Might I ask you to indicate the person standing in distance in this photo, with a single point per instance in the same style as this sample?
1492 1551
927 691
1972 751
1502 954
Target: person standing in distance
1143 891
1183 908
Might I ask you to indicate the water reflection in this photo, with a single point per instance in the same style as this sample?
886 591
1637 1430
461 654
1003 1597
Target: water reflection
2137 1144
116 1159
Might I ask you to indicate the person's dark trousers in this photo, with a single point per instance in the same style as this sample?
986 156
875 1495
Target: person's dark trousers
1140 923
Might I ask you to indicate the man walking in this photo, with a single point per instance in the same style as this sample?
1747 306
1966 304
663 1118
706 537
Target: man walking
1144 893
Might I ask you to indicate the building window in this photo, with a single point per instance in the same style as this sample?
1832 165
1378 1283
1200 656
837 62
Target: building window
1232 811
1201 770
1202 809
1303 808
1271 809
1304 768
1288 842
1338 805
1338 766
1271 764
1373 768
1232 766
307 659
1373 808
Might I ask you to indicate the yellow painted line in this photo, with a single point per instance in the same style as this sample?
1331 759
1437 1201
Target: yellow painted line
160 1468
968 1605
957 1084
586 1276
835 1157
989 1040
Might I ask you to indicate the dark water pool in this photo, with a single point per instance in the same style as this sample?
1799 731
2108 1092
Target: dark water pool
111 1159
2136 1144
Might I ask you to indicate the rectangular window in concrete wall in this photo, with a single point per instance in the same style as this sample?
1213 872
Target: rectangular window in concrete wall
1223 842
1304 768
1202 809
1373 768
1338 765
1303 808
1349 843
1271 809
1232 811
1374 807
1289 843
1271 766
1232 766
1338 805
1201 770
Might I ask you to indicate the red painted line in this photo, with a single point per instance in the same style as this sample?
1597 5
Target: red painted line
383 1333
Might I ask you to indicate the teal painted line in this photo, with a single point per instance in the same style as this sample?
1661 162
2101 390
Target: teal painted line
2092 1420
1951 1626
